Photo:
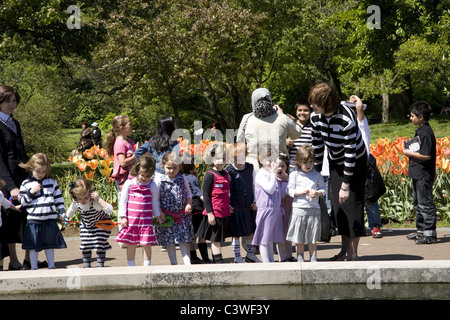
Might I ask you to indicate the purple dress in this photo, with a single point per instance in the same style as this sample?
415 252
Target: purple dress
269 217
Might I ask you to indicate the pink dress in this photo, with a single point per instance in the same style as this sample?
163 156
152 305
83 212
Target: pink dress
139 216
119 173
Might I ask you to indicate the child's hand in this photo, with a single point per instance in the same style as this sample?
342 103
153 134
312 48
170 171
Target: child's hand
95 196
36 188
315 193
188 209
160 220
16 208
211 219
124 222
283 176
254 207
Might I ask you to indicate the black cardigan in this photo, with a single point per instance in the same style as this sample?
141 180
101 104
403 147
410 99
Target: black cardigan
12 152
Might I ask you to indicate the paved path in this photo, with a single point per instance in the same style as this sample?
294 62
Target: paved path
393 246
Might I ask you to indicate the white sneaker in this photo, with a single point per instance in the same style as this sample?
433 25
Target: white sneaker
238 260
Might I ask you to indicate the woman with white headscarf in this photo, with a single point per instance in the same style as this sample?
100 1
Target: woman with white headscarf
267 124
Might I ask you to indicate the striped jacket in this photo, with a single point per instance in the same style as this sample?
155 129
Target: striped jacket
341 135
44 204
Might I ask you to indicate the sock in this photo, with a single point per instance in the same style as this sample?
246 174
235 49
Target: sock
236 247
101 255
86 258
184 248
203 248
147 263
50 254
131 263
266 251
34 259
171 251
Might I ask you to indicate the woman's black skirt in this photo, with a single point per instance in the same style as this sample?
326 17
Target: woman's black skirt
349 216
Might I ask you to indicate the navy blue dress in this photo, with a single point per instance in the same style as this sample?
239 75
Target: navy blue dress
243 219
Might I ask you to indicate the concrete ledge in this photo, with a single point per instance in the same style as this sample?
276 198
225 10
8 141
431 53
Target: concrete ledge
355 272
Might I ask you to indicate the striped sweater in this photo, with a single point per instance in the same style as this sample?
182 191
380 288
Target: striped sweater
44 204
340 133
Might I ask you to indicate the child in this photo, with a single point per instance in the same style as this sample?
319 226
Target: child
285 248
216 223
305 186
242 202
422 170
92 209
268 194
197 208
41 197
4 251
176 201
139 203
303 112
122 147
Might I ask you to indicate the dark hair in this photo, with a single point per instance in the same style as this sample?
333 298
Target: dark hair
302 103
6 92
421 108
161 140
145 162
325 97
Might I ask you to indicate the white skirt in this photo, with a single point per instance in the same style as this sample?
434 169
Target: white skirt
304 226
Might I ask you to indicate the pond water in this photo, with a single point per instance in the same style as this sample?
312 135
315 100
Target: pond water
272 292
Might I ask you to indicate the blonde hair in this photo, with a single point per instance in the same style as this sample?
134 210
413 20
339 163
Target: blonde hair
145 162
304 153
79 188
116 123
2 184
38 160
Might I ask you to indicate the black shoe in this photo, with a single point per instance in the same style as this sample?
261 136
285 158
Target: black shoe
196 260
414 236
41 264
22 267
426 240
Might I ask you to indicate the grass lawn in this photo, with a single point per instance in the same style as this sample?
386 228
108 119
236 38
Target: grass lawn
405 128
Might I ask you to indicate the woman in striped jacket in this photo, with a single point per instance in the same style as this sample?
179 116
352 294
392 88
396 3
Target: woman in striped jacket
41 197
335 126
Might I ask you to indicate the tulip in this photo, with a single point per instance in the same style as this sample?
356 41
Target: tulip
93 164
89 176
81 163
89 153
106 171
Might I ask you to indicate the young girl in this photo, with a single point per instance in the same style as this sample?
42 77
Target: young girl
305 186
139 203
197 209
176 201
122 147
41 197
268 194
216 223
4 203
92 209
285 248
242 202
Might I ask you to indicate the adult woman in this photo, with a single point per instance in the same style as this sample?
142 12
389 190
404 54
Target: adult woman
335 126
12 152
86 138
267 124
160 144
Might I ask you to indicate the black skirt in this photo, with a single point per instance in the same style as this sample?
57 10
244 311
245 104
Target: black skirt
349 216
217 232
4 250
41 235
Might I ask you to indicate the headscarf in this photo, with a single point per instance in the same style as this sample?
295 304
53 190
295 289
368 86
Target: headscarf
262 103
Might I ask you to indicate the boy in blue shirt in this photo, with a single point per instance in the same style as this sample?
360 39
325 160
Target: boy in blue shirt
422 171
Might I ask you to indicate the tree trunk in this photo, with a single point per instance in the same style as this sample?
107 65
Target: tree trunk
385 97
